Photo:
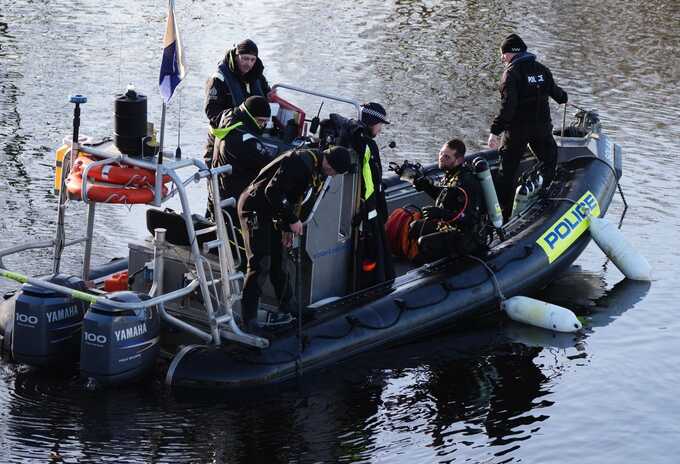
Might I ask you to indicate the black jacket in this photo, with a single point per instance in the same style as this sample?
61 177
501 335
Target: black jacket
243 150
355 135
280 186
227 89
525 87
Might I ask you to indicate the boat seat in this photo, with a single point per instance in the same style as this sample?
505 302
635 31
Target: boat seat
176 230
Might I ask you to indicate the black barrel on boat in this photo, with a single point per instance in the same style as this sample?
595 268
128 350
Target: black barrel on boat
119 344
47 324
129 123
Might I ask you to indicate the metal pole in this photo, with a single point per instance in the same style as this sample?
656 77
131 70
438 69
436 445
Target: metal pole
356 230
158 261
297 250
88 241
66 166
160 142
564 122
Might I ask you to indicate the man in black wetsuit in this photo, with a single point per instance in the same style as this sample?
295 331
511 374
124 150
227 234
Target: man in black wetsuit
238 76
524 116
454 225
267 211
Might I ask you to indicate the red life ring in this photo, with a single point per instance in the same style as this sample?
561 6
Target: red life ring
116 174
101 192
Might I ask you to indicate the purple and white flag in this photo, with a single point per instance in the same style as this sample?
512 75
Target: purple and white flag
172 65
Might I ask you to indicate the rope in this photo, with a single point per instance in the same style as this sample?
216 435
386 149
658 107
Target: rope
492 274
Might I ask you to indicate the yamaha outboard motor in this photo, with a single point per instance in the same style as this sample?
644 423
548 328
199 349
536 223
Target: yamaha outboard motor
47 324
119 344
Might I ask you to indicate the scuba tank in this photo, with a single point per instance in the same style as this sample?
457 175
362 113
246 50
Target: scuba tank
493 209
526 192
537 179
523 196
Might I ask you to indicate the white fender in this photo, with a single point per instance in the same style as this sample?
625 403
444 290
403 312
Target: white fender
612 242
493 209
541 314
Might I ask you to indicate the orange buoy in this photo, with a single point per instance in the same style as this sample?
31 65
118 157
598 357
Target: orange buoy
116 174
101 192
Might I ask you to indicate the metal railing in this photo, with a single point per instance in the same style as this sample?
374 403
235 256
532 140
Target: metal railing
228 274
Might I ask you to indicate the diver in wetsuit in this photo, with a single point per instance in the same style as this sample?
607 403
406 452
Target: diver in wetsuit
454 226
267 211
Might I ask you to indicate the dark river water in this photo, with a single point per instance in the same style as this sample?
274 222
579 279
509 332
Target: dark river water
498 393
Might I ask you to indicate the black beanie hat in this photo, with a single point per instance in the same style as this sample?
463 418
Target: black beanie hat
246 47
339 158
373 113
513 44
258 106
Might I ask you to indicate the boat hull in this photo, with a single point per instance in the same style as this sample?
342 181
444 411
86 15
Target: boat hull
429 299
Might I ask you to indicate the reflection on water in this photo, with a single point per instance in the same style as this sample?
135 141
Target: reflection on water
479 393
491 394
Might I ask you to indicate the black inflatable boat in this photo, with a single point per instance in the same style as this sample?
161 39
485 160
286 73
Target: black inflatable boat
181 301
539 244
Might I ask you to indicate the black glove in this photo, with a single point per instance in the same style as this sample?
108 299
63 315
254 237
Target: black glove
422 183
434 213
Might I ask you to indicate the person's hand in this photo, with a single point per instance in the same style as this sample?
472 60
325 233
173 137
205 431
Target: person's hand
296 227
494 141
287 239
434 213
421 183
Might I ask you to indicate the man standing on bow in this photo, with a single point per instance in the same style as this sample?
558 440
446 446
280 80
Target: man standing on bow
524 115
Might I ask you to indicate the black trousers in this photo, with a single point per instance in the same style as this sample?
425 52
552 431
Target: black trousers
514 144
264 253
434 245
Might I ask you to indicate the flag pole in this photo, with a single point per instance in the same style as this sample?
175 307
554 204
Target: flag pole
172 71
160 142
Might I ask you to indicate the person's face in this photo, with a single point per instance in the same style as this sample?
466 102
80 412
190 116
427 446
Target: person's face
245 62
449 158
506 57
376 129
